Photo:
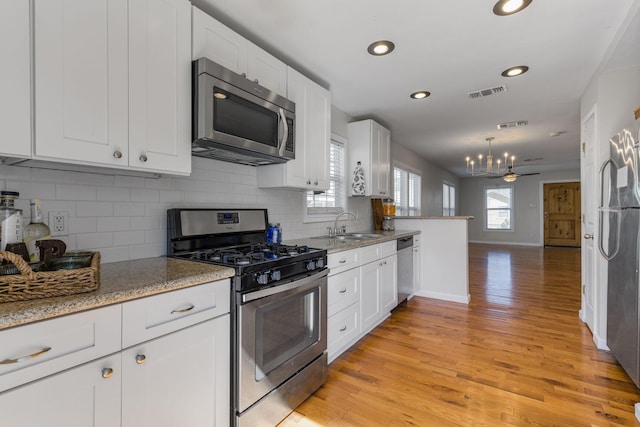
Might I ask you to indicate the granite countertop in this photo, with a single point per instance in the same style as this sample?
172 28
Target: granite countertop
333 245
435 217
119 282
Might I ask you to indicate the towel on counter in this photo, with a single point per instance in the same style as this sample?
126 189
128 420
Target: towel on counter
358 183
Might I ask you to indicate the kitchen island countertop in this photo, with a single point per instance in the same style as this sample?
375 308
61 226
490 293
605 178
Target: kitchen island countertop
119 282
333 245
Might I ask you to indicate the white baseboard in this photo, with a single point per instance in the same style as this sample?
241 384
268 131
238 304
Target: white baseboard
637 408
489 242
446 297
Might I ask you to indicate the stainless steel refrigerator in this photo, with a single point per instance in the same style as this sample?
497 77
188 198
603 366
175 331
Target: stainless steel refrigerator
619 243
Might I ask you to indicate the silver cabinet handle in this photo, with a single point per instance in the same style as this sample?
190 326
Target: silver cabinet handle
25 358
315 183
588 236
107 373
244 75
308 182
117 154
344 328
183 310
343 290
143 158
342 261
256 81
140 359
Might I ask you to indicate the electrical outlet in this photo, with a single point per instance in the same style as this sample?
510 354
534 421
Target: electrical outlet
59 223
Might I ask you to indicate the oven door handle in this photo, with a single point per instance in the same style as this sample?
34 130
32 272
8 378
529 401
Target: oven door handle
252 296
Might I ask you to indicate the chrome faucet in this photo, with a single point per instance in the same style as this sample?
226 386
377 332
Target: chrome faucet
334 231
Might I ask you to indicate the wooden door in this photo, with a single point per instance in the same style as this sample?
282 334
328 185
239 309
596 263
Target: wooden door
562 214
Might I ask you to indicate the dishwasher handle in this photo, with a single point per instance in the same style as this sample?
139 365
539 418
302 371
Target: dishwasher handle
405 242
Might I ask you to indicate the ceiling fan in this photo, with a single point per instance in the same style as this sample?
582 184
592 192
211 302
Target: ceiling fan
511 176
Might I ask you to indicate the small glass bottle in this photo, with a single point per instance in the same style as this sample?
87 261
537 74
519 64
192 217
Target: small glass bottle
36 230
10 219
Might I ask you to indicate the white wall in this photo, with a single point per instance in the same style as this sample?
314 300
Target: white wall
432 178
527 207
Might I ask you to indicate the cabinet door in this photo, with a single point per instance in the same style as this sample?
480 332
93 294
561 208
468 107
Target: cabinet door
384 159
318 137
268 70
217 42
388 284
160 85
369 295
88 395
180 379
81 84
15 84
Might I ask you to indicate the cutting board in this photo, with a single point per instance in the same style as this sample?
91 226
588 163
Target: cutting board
376 208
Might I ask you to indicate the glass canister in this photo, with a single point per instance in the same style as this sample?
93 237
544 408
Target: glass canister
388 207
10 219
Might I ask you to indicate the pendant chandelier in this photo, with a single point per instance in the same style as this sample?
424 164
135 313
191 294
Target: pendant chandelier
485 164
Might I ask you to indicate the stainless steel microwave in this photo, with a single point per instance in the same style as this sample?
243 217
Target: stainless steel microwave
237 120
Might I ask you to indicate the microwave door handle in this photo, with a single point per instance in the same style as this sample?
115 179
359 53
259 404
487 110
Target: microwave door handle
283 142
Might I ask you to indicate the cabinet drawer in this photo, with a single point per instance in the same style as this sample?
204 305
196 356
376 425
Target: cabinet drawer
343 290
416 240
342 329
342 261
388 248
157 315
39 349
369 254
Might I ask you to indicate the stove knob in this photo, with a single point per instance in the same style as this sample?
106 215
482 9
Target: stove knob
262 278
320 263
275 275
310 265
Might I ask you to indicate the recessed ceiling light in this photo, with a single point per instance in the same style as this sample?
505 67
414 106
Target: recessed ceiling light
515 71
509 7
381 47
420 95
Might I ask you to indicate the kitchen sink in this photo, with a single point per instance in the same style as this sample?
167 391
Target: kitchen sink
351 236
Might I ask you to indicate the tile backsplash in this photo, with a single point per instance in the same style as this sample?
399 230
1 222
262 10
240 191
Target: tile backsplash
124 217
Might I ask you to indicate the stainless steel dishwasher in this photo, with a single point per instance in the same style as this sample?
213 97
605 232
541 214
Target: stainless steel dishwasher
405 268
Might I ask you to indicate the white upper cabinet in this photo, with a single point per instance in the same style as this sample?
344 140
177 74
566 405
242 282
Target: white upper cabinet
112 83
160 85
15 84
369 144
310 168
215 41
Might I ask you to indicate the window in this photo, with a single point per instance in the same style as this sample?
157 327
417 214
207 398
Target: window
448 199
406 192
333 200
498 212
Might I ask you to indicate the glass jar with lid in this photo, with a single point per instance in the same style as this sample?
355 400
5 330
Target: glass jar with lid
388 207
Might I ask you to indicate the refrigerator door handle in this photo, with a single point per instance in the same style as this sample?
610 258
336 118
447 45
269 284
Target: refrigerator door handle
601 248
602 168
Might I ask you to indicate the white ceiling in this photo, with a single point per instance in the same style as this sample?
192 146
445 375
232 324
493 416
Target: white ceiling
449 48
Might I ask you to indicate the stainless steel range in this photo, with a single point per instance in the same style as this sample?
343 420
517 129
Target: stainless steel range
279 341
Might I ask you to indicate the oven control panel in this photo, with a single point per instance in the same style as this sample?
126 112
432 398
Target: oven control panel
228 218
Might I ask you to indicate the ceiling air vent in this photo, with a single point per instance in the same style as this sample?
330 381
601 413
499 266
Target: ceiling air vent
515 124
487 92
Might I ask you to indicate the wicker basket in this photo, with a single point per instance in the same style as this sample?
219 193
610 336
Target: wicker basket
43 284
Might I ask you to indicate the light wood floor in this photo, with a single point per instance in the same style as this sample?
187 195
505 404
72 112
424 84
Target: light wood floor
517 355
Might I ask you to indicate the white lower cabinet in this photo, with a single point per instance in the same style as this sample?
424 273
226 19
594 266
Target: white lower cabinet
362 291
178 379
388 283
85 396
72 371
370 301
